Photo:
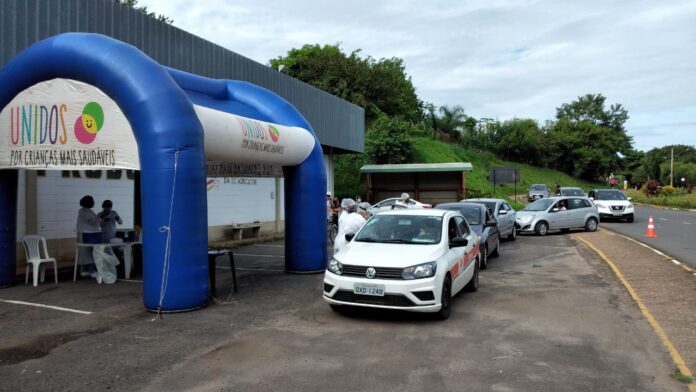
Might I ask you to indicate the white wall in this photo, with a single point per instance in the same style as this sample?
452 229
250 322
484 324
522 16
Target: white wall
242 200
329 167
230 200
59 201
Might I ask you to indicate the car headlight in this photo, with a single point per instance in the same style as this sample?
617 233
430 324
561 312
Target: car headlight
629 205
420 271
335 266
525 219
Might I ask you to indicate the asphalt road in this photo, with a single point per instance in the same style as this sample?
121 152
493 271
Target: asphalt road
546 318
676 231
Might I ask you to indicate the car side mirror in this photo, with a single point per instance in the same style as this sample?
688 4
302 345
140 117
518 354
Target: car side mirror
349 237
628 198
591 198
458 242
502 212
555 209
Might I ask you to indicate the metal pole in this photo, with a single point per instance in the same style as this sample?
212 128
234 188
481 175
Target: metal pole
671 170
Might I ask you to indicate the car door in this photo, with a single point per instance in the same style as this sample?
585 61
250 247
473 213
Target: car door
464 256
492 232
578 209
558 219
506 219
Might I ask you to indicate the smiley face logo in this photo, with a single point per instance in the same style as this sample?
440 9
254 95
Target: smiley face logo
273 132
89 123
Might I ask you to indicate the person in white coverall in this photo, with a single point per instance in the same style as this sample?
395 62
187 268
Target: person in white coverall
351 223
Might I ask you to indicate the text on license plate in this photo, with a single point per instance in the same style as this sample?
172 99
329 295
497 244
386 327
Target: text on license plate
617 213
369 289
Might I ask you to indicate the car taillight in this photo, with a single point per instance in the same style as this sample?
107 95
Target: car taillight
427 206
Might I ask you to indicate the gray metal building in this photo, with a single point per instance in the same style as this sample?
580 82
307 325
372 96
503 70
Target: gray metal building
339 124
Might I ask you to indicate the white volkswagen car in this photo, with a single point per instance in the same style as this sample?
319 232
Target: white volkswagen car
413 260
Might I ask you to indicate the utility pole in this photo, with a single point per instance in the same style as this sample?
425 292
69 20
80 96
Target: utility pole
671 170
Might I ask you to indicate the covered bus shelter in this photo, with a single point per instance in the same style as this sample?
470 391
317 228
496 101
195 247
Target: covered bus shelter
431 183
87 101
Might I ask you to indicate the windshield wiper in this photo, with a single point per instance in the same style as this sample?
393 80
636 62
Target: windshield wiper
367 239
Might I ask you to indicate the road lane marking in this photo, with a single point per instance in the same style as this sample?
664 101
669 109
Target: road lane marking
676 357
45 306
683 265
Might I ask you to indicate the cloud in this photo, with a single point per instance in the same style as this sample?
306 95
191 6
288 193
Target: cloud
498 59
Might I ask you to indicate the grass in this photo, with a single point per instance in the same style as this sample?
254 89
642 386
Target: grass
427 150
677 375
677 200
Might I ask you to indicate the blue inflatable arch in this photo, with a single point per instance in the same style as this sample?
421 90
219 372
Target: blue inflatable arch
159 105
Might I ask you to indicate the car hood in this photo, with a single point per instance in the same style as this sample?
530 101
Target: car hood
612 203
522 214
388 255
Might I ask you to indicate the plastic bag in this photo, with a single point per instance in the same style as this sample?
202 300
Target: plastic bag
106 264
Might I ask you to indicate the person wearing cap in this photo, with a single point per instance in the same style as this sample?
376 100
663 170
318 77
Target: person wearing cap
404 200
329 206
364 209
349 223
108 219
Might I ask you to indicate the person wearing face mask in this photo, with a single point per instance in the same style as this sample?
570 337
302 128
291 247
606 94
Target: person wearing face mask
352 221
108 219
87 222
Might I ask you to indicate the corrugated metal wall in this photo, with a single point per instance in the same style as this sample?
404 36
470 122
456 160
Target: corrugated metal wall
338 123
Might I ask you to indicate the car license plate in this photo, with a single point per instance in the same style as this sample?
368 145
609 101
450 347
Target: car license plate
376 290
617 213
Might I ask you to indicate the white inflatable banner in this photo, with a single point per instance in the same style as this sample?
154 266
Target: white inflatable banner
231 138
65 124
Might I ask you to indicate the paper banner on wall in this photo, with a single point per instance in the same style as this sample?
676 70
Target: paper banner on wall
66 124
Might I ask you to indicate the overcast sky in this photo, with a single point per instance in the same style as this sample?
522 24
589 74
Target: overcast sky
498 59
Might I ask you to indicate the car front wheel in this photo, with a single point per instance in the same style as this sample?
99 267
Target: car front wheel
445 299
591 224
542 228
484 257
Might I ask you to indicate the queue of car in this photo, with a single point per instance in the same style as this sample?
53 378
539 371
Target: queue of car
416 258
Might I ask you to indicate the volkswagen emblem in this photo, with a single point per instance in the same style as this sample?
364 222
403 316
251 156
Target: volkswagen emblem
370 273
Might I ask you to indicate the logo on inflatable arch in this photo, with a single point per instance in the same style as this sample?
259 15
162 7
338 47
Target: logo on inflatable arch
275 134
89 123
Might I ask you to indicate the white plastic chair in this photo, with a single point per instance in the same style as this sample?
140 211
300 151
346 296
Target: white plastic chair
32 249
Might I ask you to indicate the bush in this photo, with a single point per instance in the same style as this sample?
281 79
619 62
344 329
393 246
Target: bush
387 141
668 189
650 188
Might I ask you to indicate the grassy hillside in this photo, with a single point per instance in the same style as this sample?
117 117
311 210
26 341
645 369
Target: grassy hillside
433 151
427 150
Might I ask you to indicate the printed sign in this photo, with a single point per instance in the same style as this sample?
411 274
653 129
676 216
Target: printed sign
65 124
222 169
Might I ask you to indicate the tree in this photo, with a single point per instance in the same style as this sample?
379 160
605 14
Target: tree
448 119
588 141
387 141
519 140
134 4
380 86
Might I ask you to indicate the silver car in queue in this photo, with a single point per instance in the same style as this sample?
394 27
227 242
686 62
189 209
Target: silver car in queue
558 213
504 214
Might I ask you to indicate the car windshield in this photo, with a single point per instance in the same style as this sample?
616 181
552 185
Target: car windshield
572 192
539 205
609 195
472 214
402 229
538 187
